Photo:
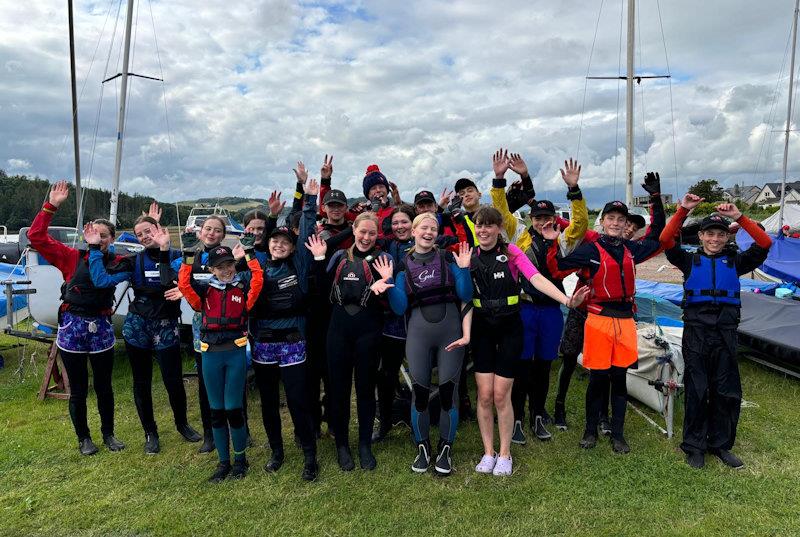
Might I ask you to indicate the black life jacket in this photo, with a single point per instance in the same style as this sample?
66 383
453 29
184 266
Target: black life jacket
79 294
200 271
352 281
537 253
429 282
148 292
225 309
281 296
496 289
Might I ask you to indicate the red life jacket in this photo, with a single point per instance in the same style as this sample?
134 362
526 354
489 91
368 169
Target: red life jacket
225 309
610 284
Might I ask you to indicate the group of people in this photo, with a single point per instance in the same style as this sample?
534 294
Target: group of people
341 295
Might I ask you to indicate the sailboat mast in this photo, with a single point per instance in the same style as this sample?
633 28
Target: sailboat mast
788 113
75 140
629 106
121 118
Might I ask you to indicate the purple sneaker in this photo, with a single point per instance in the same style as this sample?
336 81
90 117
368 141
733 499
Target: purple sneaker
487 464
503 466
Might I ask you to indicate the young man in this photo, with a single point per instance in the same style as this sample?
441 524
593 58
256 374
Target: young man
711 307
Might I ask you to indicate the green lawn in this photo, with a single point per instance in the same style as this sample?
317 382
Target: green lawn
47 488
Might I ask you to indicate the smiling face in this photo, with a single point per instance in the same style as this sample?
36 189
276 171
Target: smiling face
144 233
401 226
425 231
487 235
631 229
280 247
212 232
378 190
256 226
470 198
713 240
106 237
539 221
225 271
614 224
335 212
365 233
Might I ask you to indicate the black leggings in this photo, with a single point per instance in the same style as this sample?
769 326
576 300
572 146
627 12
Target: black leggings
169 361
294 384
202 396
596 399
392 350
76 364
353 348
532 382
317 364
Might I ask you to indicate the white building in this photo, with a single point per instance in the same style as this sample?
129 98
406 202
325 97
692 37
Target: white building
770 194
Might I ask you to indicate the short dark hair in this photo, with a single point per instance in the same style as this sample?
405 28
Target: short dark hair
488 216
103 222
406 209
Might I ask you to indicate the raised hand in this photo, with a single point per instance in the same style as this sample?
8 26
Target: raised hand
381 287
300 172
311 187
690 201
444 199
571 172
395 193
464 255
154 212
316 246
275 204
500 162
652 183
517 164
359 207
238 252
385 267
729 210
578 297
90 234
247 241
189 240
59 192
161 238
327 168
550 231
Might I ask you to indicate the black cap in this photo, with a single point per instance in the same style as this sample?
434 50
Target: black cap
463 183
543 208
285 231
334 196
637 219
615 207
219 255
714 221
425 195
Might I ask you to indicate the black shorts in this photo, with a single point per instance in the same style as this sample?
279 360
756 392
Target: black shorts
496 346
572 340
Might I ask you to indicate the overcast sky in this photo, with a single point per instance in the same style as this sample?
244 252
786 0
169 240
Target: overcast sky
425 89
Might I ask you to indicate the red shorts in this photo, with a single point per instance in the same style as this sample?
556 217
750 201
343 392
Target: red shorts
609 341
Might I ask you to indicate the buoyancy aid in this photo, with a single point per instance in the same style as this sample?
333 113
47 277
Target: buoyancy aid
281 295
352 281
429 282
79 294
148 292
537 253
612 283
712 280
496 289
225 307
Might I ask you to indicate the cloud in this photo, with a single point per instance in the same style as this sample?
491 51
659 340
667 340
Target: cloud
427 90
18 164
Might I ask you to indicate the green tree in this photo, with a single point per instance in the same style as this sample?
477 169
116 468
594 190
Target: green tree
708 189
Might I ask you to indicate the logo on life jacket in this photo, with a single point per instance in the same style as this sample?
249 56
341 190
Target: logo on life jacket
351 277
498 275
424 276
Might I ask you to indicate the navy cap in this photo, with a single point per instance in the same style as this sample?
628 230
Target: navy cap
219 255
714 221
334 196
637 219
615 207
543 208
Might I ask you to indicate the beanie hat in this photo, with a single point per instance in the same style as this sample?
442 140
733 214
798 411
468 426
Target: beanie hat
374 177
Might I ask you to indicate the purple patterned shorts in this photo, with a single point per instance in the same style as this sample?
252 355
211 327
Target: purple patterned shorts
282 353
84 334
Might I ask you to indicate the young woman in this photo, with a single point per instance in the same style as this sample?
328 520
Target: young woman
85 334
353 338
497 333
277 327
151 325
224 301
436 287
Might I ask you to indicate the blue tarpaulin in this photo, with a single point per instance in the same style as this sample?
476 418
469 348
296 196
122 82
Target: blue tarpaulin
783 260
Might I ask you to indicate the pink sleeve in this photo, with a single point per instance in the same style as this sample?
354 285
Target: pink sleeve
520 263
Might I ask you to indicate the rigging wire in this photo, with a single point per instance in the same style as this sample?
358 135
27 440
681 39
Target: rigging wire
671 107
586 79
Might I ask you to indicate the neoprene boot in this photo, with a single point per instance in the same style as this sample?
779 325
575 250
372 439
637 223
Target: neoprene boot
518 436
728 458
345 458
696 459
275 461
310 469
560 417
366 458
112 443
151 443
188 433
239 468
222 471
87 447
423 460
444 461
208 442
539 430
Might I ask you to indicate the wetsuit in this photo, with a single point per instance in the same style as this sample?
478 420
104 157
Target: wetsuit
431 286
223 339
150 329
277 329
85 333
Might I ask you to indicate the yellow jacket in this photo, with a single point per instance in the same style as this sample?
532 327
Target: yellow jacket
568 239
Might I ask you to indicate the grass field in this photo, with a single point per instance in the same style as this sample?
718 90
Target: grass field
47 488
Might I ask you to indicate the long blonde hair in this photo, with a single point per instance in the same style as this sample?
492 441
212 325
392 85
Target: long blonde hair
417 221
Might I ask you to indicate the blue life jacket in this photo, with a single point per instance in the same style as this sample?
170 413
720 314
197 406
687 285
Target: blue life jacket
712 280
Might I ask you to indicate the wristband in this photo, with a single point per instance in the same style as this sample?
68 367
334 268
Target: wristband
499 182
574 193
94 246
319 258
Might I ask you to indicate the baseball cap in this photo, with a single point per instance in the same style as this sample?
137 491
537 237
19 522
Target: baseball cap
463 183
425 195
285 231
714 221
615 206
637 219
219 255
334 196
543 208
